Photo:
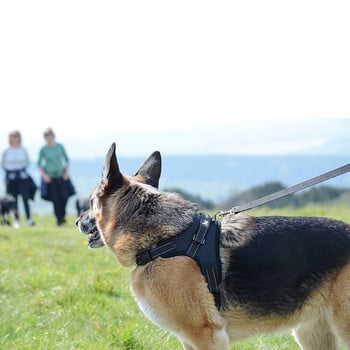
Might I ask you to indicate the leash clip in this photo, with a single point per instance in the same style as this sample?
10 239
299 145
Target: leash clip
218 215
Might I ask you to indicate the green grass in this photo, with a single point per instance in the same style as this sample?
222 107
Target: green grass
57 294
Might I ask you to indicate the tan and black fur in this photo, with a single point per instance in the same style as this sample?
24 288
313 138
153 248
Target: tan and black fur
279 273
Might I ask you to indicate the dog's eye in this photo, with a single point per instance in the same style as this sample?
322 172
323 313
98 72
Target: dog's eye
91 204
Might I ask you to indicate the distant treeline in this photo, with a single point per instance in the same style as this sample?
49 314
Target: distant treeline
315 195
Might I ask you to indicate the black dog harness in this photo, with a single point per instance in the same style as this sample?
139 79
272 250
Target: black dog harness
201 242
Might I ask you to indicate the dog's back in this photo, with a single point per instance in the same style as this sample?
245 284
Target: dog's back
283 260
282 269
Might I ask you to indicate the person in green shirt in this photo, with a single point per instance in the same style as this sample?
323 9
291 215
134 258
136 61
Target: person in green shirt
54 166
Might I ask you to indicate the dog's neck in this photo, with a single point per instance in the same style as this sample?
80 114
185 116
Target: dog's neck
160 215
147 218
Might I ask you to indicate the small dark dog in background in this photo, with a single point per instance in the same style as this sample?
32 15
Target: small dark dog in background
8 205
82 205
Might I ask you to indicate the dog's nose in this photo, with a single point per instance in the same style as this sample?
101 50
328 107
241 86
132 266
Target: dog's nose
77 221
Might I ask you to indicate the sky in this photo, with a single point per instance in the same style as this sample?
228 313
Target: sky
237 77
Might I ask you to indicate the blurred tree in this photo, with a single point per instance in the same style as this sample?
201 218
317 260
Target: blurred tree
320 194
201 202
317 195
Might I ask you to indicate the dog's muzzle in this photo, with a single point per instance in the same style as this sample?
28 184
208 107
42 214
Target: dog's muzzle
89 227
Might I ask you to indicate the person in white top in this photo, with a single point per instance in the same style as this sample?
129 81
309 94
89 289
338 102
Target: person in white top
15 161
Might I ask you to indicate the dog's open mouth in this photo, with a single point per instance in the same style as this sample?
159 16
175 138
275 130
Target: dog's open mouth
87 226
95 235
94 240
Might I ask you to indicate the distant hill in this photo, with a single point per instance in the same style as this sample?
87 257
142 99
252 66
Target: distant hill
213 177
322 194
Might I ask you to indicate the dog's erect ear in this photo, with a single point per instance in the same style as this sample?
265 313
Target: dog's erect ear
112 176
151 169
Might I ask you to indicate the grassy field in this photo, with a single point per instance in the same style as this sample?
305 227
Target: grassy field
57 294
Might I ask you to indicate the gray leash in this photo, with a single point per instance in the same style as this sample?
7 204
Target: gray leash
287 191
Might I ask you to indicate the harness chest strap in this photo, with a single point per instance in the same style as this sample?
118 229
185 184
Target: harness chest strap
201 242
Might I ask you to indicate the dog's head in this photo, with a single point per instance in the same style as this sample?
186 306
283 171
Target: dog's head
7 204
109 198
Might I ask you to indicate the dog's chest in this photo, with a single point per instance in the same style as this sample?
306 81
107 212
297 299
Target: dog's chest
156 295
153 313
146 297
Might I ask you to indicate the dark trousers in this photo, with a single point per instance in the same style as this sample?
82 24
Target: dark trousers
20 187
58 194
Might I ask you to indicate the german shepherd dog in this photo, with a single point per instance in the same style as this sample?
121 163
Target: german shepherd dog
279 273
